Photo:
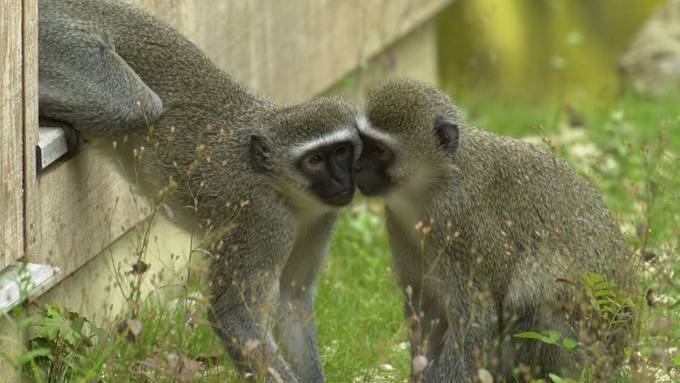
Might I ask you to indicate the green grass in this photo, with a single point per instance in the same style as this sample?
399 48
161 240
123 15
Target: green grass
359 309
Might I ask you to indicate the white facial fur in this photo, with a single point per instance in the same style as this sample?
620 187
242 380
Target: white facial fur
328 139
366 129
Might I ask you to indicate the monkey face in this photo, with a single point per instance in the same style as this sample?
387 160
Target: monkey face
422 157
371 169
409 135
307 151
329 171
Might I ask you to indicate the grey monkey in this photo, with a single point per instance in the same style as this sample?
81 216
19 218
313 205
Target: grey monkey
489 237
263 181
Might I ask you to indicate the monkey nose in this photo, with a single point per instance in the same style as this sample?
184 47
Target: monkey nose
357 169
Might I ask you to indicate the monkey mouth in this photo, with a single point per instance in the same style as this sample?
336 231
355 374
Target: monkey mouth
340 198
373 183
374 186
374 190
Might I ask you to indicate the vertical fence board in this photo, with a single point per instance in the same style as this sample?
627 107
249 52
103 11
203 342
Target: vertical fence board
11 132
30 82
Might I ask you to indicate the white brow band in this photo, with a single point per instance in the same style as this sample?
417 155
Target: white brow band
366 129
330 138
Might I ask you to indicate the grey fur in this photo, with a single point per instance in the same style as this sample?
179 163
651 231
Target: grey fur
488 240
111 69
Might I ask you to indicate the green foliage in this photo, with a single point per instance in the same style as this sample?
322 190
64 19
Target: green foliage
60 345
548 337
514 117
611 304
557 379
676 361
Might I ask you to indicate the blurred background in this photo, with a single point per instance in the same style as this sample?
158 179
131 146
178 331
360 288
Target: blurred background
554 49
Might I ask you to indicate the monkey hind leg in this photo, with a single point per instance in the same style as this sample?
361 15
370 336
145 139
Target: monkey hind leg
527 358
86 84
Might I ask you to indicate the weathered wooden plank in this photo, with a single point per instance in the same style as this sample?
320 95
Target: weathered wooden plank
414 56
85 204
51 146
11 132
288 51
30 82
14 286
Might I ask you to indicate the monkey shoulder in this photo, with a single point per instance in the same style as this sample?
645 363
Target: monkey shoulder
519 165
530 189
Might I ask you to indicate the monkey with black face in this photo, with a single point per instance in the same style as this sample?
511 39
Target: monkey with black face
262 181
489 236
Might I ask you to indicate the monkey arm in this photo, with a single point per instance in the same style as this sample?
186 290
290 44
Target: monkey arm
462 354
245 290
84 83
296 330
246 333
297 325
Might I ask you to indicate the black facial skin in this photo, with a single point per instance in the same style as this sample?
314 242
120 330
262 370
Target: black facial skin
370 170
330 170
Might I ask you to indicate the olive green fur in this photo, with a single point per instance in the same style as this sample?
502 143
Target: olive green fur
491 239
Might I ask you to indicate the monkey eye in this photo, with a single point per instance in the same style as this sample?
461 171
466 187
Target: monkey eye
380 149
341 151
314 159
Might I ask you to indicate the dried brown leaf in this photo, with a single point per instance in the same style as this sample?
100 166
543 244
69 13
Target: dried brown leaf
130 328
140 267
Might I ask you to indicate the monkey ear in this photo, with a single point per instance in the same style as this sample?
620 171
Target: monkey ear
446 133
259 154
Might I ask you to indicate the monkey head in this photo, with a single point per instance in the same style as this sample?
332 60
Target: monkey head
309 150
409 134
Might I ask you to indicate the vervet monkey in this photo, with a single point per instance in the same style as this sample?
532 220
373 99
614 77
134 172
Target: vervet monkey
264 181
489 236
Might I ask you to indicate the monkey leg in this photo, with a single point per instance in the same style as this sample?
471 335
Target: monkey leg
244 294
246 334
539 303
423 311
297 327
427 326
297 336
468 340
541 358
83 82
